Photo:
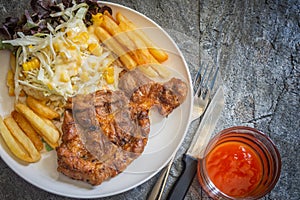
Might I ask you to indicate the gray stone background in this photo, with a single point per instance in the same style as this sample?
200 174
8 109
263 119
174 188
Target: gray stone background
257 47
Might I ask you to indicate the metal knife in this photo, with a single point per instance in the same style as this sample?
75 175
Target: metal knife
197 147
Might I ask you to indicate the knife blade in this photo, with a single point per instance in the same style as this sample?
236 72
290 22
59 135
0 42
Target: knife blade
197 147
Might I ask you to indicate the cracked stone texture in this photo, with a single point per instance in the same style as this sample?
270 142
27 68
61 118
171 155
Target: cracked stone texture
257 47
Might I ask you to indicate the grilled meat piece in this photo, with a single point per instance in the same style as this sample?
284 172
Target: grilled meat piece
105 131
130 81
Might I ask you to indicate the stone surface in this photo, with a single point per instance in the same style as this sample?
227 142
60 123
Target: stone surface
257 47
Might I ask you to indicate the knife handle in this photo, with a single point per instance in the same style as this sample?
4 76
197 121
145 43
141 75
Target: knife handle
184 181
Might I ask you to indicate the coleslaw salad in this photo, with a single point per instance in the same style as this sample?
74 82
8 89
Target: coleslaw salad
68 60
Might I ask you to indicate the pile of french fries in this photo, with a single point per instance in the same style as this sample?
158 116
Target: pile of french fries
131 44
27 127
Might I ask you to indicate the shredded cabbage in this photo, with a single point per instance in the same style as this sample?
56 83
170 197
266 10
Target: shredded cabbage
67 64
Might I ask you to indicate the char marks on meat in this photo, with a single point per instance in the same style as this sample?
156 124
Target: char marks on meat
105 131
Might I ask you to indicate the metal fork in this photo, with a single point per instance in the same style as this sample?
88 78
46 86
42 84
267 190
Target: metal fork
203 90
202 96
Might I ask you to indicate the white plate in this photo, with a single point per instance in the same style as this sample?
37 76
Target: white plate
165 137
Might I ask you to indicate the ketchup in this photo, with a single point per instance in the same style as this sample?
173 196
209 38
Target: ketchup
234 168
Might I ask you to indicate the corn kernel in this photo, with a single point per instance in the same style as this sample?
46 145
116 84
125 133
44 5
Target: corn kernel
81 37
64 76
95 49
71 47
109 75
85 35
25 66
92 47
110 71
35 62
70 33
32 64
50 86
110 79
55 47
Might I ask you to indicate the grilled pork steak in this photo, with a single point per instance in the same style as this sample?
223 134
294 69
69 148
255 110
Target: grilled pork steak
131 81
105 131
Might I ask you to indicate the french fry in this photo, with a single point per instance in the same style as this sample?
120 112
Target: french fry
28 130
21 137
13 62
158 53
112 27
114 46
139 55
41 109
10 83
53 145
109 15
50 123
12 144
142 53
45 130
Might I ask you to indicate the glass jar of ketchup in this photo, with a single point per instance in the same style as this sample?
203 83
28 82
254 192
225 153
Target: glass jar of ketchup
239 163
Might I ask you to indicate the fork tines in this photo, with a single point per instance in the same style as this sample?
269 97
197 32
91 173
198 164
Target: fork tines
202 79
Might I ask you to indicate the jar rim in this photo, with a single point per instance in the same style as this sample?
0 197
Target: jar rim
239 129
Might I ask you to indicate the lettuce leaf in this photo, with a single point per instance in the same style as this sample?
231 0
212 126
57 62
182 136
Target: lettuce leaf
36 22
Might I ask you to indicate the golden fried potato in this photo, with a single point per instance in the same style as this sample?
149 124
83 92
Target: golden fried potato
112 27
136 50
114 46
21 137
141 54
50 123
41 109
127 25
10 83
13 62
28 130
53 145
45 130
12 144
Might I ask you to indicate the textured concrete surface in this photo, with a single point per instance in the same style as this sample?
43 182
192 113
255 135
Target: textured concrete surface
257 47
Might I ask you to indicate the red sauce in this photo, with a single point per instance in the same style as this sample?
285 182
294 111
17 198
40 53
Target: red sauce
234 168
